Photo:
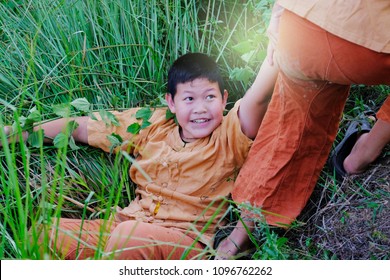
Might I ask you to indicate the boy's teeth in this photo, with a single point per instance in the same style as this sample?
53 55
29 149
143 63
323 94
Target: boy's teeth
200 121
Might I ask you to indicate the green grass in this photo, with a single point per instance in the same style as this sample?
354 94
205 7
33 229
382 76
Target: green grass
116 55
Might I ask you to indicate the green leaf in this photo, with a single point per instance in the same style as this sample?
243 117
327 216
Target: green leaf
61 110
247 57
22 122
112 118
115 140
134 128
35 139
169 115
28 123
71 127
108 118
72 144
63 139
60 141
81 104
92 116
145 124
34 116
118 137
242 74
144 113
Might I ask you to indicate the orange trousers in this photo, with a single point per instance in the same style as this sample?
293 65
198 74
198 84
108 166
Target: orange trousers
76 239
301 123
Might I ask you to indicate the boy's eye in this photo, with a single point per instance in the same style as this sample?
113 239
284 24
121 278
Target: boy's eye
189 98
211 96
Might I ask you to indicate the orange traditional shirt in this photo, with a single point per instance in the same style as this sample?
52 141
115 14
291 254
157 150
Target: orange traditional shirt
363 22
179 184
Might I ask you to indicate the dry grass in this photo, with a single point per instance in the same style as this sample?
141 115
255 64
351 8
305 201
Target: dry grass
347 220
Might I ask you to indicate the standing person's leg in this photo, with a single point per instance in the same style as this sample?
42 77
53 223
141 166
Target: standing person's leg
291 148
370 145
301 123
135 240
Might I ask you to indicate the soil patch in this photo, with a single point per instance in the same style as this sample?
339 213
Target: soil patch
349 220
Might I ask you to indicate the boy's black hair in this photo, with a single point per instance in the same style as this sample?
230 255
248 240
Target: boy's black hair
192 66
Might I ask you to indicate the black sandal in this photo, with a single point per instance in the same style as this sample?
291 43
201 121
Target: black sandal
343 149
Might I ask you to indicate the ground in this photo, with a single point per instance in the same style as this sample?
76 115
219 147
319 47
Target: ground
348 219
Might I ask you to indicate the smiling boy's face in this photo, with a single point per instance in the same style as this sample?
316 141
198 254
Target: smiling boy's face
198 106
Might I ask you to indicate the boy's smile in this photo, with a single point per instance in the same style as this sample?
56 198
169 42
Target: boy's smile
198 106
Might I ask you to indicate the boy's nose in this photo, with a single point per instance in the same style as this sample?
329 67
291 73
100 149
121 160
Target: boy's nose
200 107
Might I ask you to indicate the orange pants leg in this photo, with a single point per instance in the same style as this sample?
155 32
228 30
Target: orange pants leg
76 239
142 241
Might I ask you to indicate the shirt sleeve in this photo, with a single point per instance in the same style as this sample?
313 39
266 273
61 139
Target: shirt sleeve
237 142
100 128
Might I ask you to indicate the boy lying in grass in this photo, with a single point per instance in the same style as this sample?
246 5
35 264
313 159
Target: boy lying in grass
185 168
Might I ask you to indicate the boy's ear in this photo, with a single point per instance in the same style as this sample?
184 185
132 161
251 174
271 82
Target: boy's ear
170 102
225 97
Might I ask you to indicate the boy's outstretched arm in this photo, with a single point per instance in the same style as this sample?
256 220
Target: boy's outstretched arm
255 101
53 128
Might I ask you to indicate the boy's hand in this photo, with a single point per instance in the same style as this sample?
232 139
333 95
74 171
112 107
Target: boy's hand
238 241
52 129
226 250
7 131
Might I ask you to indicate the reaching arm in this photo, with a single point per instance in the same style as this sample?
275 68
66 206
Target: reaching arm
273 31
53 128
254 103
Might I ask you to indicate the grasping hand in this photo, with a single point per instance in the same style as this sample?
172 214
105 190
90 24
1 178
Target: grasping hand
238 241
226 250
